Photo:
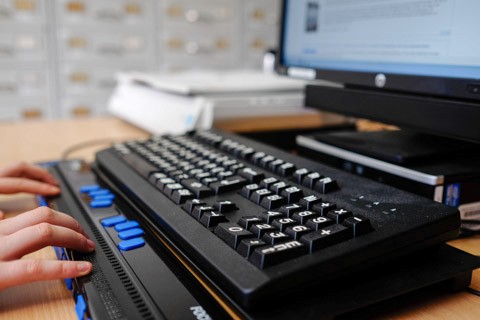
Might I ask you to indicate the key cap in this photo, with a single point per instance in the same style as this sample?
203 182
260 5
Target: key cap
309 201
224 206
248 221
286 169
303 216
325 237
131 244
200 190
268 182
249 189
259 194
265 257
299 174
272 202
126 225
358 224
269 216
283 223
310 179
111 221
211 219
274 165
259 229
251 175
232 233
198 211
297 231
290 209
181 195
326 185
318 223
191 204
274 237
339 215
170 188
246 246
131 233
228 184
278 187
292 194
323 207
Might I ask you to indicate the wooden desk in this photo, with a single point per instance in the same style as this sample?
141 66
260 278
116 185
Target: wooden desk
41 141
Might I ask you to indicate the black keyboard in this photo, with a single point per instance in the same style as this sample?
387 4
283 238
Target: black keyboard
248 223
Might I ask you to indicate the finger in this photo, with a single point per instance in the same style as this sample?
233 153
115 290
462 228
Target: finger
37 216
26 170
16 185
23 271
36 237
2 215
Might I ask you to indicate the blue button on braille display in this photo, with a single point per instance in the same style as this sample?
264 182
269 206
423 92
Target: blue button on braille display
89 188
108 196
110 222
100 204
129 234
131 244
80 307
69 283
99 192
126 225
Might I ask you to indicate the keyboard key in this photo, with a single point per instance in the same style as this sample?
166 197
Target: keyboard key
278 187
257 156
290 209
126 225
249 189
232 233
131 244
170 188
310 179
309 201
359 225
131 233
269 216
325 237
297 231
274 165
286 169
265 161
200 190
259 194
248 221
198 211
272 202
274 237
89 188
259 229
339 215
246 246
224 206
110 222
326 185
299 174
292 194
191 204
99 192
100 204
251 175
211 219
265 257
303 216
268 182
317 223
228 184
181 195
323 207
109 196
283 223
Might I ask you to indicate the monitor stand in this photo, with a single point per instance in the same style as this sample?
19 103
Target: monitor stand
399 146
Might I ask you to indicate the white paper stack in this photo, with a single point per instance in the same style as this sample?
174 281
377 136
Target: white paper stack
178 102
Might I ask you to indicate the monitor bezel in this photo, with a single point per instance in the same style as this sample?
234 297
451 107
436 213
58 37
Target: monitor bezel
446 87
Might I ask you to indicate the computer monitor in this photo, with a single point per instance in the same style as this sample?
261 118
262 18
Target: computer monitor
412 63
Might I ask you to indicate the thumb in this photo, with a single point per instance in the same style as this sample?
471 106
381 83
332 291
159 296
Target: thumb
2 215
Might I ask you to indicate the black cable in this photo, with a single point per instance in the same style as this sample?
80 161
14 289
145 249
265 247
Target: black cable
89 143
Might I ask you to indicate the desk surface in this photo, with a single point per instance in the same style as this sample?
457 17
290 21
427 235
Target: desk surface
43 141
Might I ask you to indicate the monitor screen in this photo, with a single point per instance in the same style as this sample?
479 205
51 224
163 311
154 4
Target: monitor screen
423 47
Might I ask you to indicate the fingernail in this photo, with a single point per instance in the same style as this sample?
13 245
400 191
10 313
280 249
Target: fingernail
91 244
83 267
53 189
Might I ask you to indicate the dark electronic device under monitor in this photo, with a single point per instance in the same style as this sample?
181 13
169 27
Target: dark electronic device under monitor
415 64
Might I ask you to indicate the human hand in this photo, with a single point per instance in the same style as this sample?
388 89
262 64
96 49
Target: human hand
32 231
23 177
